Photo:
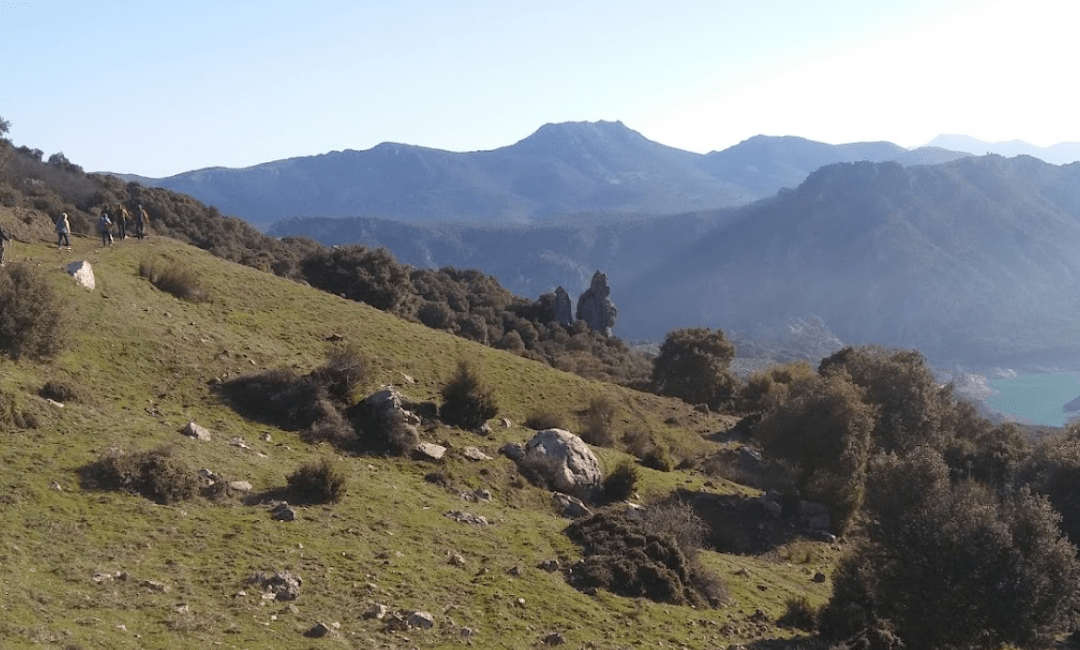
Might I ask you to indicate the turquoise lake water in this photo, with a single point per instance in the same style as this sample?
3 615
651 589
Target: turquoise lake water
1036 398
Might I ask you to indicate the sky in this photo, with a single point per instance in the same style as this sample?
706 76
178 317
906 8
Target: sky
159 87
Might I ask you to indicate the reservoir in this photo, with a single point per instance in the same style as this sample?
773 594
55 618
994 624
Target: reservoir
1036 399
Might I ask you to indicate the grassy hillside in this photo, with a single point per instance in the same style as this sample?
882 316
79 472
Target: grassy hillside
81 568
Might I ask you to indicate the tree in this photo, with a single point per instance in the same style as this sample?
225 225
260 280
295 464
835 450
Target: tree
822 429
692 365
467 402
952 566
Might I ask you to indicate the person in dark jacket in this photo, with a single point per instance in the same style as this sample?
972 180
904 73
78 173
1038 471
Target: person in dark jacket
104 226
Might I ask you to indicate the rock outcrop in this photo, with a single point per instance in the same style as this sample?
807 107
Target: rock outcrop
564 313
594 306
568 463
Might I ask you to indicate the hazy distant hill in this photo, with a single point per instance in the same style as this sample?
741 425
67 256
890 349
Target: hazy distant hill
1062 153
559 170
975 260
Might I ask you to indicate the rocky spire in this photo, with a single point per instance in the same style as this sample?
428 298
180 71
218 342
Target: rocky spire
595 307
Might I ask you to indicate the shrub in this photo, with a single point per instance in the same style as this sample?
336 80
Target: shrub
279 397
317 482
692 366
798 614
946 566
59 391
346 370
598 420
467 402
33 317
542 419
170 278
628 558
156 474
659 458
637 443
382 431
620 484
330 426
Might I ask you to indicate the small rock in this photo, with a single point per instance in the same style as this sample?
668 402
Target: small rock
239 443
266 437
467 633
570 507
467 518
551 566
457 560
283 512
422 620
240 486
377 611
429 451
209 475
818 577
193 430
56 486
473 453
484 430
318 631
514 571
555 638
506 423
154 585
520 602
513 451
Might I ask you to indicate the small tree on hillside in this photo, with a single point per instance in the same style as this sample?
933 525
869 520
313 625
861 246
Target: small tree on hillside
822 429
952 566
692 366
467 402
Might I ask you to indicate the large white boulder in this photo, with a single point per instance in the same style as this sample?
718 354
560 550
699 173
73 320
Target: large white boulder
573 468
83 273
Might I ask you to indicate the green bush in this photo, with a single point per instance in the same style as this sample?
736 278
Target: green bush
317 482
541 419
59 391
599 421
620 483
170 278
952 566
156 474
692 366
346 371
659 458
822 430
33 317
467 402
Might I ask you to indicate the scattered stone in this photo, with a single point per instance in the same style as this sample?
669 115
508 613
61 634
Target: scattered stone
238 442
53 402
209 475
594 306
318 631
422 620
193 430
551 566
467 633
506 423
388 399
240 486
83 274
479 495
758 617
154 585
467 518
278 586
513 451
101 577
484 430
473 453
266 437
571 466
334 337
818 577
283 512
514 571
377 611
555 638
56 486
570 507
457 560
429 451
520 602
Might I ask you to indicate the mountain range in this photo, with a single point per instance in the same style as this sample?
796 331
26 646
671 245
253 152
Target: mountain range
561 169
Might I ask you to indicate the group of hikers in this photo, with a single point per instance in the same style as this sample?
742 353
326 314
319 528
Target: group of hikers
121 219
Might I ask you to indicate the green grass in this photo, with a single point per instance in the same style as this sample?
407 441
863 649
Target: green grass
144 363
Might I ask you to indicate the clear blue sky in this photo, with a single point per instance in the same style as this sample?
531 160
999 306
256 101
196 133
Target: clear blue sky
157 87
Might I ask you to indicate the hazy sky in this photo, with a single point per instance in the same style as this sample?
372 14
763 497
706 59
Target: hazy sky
157 87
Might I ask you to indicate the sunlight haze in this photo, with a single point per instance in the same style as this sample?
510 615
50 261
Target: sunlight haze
165 87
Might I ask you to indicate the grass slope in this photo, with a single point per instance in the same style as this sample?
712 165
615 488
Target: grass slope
89 569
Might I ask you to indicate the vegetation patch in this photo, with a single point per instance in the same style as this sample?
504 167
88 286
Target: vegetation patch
157 474
171 278
641 557
467 401
33 317
317 482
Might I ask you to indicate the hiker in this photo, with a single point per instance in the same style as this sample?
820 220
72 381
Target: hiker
3 238
121 222
104 226
142 220
62 230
